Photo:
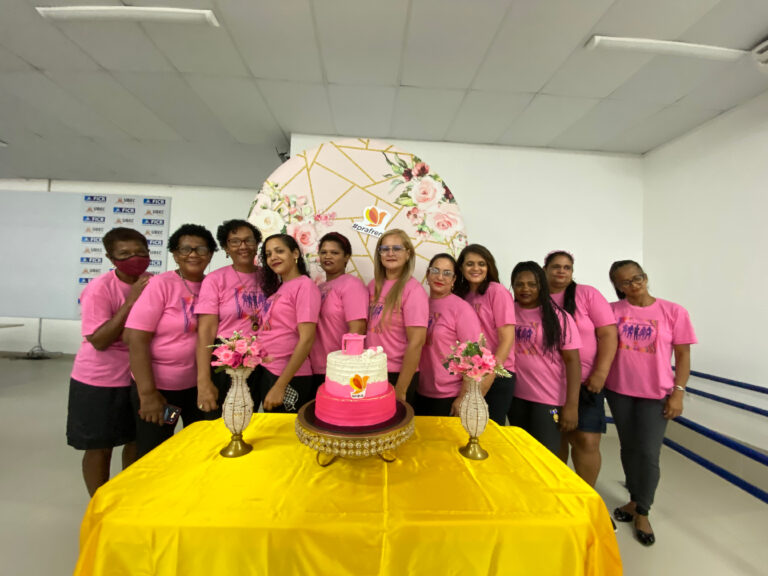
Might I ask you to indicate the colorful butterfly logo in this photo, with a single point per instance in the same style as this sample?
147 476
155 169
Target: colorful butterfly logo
358 383
375 216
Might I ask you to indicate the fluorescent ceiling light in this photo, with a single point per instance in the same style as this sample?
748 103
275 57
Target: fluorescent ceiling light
651 46
128 14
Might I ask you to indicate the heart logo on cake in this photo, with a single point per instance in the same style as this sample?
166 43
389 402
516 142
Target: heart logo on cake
358 384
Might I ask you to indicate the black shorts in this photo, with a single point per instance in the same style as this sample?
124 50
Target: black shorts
99 417
591 411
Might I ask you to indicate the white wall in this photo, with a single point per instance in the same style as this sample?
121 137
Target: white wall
522 202
704 246
206 206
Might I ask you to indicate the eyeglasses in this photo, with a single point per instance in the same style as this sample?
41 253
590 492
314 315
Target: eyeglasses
236 242
199 250
395 249
634 280
437 272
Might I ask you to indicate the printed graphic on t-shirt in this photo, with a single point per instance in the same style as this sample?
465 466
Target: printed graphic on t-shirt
433 318
266 309
249 303
325 289
188 309
374 313
637 334
525 339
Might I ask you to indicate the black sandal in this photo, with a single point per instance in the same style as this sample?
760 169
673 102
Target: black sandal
623 515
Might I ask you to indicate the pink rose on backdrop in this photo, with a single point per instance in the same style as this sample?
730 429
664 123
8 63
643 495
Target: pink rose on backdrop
426 193
305 236
445 220
415 216
421 169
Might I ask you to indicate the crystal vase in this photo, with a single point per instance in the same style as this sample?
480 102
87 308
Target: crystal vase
474 418
237 411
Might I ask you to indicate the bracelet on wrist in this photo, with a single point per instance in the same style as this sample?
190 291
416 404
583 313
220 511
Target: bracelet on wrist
681 388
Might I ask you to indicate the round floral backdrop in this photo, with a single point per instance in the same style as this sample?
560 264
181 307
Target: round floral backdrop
359 188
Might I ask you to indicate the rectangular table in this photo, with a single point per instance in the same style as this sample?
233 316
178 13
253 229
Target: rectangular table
183 509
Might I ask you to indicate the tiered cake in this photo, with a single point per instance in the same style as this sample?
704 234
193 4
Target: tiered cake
356 392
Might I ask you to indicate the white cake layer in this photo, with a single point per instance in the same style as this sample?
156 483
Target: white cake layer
342 367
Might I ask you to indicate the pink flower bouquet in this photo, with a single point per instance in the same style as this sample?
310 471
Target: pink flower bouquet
238 352
473 360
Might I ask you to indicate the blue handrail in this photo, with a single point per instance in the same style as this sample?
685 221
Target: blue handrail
728 401
730 382
724 440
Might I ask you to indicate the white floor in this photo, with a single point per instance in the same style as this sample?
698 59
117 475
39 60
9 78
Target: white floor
703 524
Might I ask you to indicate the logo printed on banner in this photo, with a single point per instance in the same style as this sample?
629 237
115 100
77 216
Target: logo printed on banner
160 212
155 201
124 221
374 222
126 200
90 240
154 233
94 219
156 252
90 198
155 242
84 280
153 222
155 262
94 229
92 209
119 210
93 250
90 271
90 260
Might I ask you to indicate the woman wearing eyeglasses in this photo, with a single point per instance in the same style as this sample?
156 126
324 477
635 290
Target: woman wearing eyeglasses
344 307
451 319
161 332
287 331
478 284
230 300
642 390
399 311
597 329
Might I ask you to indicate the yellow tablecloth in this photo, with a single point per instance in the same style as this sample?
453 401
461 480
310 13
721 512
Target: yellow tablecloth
184 510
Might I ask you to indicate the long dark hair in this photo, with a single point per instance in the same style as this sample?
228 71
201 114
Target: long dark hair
615 267
551 313
569 298
270 282
461 287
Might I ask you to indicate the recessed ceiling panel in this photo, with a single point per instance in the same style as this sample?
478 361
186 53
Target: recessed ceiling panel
361 41
425 114
484 116
363 111
299 107
447 41
545 118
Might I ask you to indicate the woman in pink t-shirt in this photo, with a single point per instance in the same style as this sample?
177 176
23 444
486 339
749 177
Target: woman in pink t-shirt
398 312
451 319
344 307
597 328
99 414
288 326
161 333
641 389
547 345
230 300
478 284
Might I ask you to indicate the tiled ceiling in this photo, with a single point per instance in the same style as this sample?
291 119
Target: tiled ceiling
195 105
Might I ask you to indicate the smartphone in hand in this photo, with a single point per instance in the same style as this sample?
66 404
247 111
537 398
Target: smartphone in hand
171 414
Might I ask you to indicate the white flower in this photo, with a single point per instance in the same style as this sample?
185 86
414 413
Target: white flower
267 221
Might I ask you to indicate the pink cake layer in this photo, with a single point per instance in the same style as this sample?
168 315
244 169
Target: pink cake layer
366 411
345 390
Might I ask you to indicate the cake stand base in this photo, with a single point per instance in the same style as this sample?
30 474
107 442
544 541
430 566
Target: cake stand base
332 442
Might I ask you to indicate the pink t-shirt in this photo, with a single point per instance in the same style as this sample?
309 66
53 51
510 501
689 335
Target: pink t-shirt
166 307
235 297
99 302
540 373
451 319
592 311
494 308
344 299
647 337
295 302
414 311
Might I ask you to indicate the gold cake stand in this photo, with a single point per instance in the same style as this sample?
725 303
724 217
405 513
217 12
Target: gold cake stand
330 441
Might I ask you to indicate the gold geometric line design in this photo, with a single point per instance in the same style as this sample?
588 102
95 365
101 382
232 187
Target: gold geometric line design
364 242
311 188
379 182
348 190
355 164
355 184
320 149
291 179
